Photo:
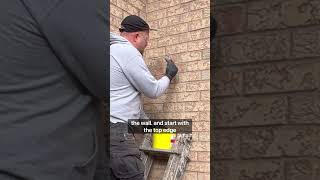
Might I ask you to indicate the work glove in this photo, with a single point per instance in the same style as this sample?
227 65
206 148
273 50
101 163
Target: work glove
172 69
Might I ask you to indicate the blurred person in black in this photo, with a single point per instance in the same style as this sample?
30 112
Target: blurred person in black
52 79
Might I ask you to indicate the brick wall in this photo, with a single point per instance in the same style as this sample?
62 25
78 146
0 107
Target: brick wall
183 33
119 9
266 90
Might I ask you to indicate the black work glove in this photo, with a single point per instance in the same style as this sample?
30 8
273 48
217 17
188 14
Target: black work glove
172 69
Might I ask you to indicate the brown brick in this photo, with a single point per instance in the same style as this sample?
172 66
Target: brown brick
200 126
200 146
195 137
153 24
191 16
206 54
304 108
206 12
158 52
178 48
298 169
159 14
169 21
198 4
193 156
179 87
152 6
247 170
306 43
131 9
188 56
204 156
198 86
138 4
253 48
162 99
225 144
199 24
205 96
115 22
143 15
169 3
153 108
279 141
155 34
198 65
197 106
180 28
280 77
280 14
190 176
188 96
205 116
237 112
263 169
179 9
122 4
226 82
230 19
195 35
199 45
205 75
198 167
194 116
114 2
173 107
116 11
203 176
168 41
189 76
204 136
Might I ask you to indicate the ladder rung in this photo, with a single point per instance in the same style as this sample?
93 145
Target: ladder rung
158 151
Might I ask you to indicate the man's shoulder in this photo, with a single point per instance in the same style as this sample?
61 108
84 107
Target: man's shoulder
124 51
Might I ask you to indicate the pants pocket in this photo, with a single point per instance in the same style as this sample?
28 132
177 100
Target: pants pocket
85 170
126 166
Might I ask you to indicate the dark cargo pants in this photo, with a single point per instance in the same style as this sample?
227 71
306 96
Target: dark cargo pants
124 154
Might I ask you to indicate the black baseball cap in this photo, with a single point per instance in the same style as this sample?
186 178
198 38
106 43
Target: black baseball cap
133 23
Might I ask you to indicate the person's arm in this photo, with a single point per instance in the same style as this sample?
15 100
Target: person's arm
139 75
76 30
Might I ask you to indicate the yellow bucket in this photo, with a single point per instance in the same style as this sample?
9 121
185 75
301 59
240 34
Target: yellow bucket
163 140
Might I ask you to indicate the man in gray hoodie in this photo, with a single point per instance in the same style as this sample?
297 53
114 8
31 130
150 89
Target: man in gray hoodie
129 78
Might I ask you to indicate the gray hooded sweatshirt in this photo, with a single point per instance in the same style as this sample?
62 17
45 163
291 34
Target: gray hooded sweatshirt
129 78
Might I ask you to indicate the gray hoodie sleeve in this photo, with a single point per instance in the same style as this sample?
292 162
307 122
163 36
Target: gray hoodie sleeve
140 77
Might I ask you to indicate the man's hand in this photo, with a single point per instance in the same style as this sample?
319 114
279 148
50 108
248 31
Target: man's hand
172 69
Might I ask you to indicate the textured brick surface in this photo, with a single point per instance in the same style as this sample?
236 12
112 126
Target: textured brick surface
276 14
183 33
226 144
306 43
237 112
265 106
304 108
278 141
253 48
299 169
230 19
248 170
280 77
228 82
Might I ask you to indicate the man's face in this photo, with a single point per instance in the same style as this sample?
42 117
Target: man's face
142 40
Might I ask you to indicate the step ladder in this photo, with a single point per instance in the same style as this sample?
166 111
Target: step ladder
178 156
